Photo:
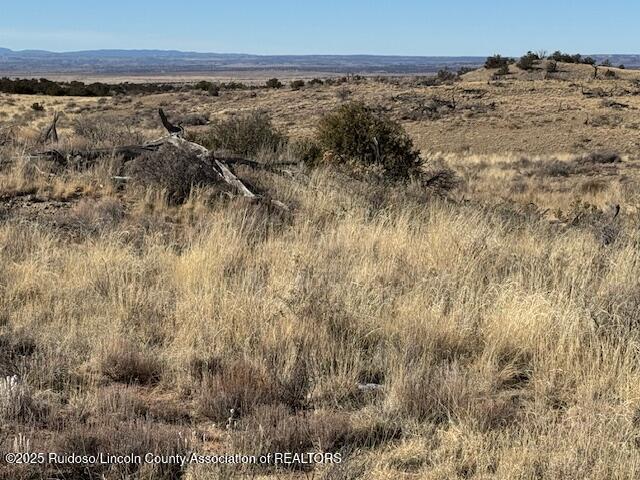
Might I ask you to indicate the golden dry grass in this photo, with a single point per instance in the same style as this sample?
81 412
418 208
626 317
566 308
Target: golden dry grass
506 344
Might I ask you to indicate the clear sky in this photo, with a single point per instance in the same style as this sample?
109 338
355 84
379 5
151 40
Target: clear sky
394 27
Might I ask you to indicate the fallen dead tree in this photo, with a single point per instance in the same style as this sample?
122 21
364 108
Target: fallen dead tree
220 167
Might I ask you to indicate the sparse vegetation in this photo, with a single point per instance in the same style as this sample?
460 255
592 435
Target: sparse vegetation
475 319
246 134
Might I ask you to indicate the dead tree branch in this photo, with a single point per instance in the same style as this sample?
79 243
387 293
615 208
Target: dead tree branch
51 133
220 166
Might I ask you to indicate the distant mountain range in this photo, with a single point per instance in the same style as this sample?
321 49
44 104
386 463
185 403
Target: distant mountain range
41 62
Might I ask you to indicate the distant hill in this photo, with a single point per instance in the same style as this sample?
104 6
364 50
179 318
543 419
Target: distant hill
34 62
565 71
41 62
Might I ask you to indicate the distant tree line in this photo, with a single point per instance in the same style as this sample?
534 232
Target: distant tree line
43 86
558 56
531 59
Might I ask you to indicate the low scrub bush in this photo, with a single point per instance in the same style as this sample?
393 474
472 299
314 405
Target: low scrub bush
528 61
106 131
559 56
297 84
245 134
172 169
194 119
497 61
123 362
359 135
274 83
235 389
211 88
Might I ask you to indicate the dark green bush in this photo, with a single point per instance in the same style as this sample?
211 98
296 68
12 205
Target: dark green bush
361 136
528 61
497 61
234 86
212 88
297 84
274 83
558 56
244 134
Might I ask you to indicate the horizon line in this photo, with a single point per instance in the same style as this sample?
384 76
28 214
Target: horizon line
279 54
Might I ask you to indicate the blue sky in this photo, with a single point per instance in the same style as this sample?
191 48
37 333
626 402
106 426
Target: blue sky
394 27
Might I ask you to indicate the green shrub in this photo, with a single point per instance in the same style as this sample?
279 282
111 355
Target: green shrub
212 88
552 66
558 56
274 83
234 86
528 61
245 134
359 135
497 61
297 84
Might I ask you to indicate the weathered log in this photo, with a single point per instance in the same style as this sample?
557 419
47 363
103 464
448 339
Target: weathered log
128 152
220 165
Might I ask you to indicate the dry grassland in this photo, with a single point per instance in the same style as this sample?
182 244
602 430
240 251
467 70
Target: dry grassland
500 319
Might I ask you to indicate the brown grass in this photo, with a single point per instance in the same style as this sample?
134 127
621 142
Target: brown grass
503 334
